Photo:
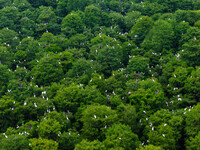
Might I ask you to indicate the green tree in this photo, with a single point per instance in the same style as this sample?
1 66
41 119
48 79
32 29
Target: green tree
22 5
66 59
164 129
107 52
14 142
190 53
27 27
130 19
9 16
140 29
68 140
4 3
41 143
193 142
5 76
96 119
138 64
92 16
128 116
7 113
72 24
9 38
87 145
47 20
160 37
192 127
49 129
192 85
119 135
149 147
82 69
48 70
5 56
73 96
147 97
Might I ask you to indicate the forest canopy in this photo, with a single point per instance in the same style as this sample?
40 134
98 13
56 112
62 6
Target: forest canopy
99 74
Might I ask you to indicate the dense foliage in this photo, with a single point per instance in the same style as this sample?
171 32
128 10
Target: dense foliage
99 74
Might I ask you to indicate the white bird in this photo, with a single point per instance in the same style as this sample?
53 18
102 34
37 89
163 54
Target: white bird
95 116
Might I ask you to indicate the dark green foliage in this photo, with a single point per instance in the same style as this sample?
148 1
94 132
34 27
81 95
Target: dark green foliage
48 70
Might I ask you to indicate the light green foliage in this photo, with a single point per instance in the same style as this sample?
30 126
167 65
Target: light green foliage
78 41
96 119
47 20
130 19
70 98
61 117
177 80
138 64
32 48
149 147
72 24
192 127
49 128
9 38
140 29
9 16
98 81
87 145
29 129
119 135
116 83
66 58
160 37
41 143
128 116
47 15
107 52
14 142
192 84
149 96
47 38
164 129
193 142
190 53
92 16
27 27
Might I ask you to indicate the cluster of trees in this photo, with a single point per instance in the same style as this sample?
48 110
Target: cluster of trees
103 74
